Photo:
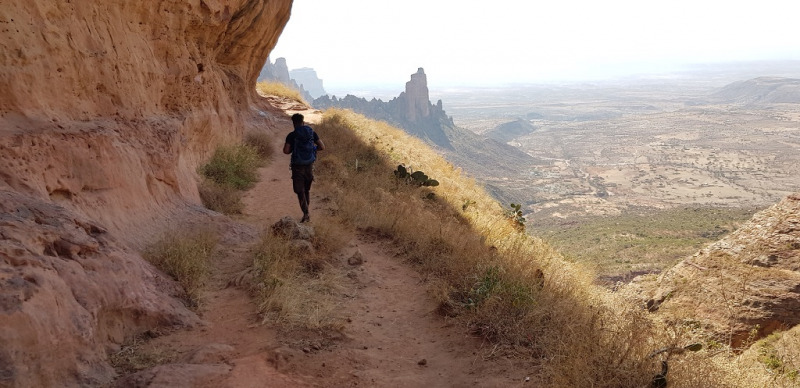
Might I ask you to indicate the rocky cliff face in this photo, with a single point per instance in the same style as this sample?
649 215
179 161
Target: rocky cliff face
279 72
308 80
747 283
282 71
107 110
415 102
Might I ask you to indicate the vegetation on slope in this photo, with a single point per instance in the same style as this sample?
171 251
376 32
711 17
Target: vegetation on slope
488 274
230 170
779 353
268 88
640 242
507 286
184 256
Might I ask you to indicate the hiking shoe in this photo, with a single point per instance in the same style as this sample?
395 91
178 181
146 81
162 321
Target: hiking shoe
305 218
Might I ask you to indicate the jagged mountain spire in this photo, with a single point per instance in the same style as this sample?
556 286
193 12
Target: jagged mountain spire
415 101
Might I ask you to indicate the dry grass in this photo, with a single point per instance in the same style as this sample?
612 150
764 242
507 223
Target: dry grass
295 290
184 256
230 170
278 89
233 166
132 357
779 356
261 142
507 286
219 198
329 235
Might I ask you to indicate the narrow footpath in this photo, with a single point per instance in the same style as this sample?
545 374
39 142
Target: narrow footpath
393 336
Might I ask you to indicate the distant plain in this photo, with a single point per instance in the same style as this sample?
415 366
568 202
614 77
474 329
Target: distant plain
631 176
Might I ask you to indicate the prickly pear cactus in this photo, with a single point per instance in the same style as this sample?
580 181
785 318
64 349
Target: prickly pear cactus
417 178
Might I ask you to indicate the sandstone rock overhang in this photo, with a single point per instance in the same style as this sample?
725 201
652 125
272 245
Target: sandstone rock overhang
107 110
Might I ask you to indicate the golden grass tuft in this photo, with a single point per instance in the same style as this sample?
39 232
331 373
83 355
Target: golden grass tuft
507 286
219 198
295 290
269 88
185 257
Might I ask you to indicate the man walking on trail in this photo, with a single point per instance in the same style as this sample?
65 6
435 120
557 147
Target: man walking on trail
303 143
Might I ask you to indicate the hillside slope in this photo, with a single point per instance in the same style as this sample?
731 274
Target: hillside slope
107 110
762 90
746 285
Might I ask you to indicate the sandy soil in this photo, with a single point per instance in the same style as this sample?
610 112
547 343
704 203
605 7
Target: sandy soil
392 337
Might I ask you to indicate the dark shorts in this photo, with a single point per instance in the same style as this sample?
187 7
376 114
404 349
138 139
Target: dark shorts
302 176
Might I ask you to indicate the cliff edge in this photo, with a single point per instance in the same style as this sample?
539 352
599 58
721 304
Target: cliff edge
743 287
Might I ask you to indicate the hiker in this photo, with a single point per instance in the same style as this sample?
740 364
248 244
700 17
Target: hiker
303 143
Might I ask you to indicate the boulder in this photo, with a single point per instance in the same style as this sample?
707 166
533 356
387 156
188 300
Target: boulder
290 229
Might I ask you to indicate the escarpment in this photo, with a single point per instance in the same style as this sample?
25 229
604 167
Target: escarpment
743 287
107 110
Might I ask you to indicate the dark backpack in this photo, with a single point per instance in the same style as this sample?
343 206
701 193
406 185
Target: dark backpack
304 151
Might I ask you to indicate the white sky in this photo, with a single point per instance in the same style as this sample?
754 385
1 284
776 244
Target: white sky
354 43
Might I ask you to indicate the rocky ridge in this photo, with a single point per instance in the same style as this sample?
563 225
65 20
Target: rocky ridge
743 287
411 110
762 90
304 80
308 80
485 158
509 131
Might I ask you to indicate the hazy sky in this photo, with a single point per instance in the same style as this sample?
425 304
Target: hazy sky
352 43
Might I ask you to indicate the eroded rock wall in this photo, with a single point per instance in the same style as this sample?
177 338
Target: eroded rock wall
743 287
107 109
141 91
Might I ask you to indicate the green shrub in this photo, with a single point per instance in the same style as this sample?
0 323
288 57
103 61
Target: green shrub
233 166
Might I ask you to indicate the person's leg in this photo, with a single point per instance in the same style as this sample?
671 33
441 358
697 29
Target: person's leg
308 192
298 185
301 184
308 174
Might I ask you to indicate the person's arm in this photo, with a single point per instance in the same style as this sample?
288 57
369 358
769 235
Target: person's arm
287 144
320 145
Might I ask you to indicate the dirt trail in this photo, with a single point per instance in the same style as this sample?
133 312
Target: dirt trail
393 336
